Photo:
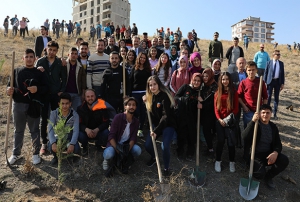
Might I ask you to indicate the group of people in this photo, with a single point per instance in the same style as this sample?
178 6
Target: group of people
115 86
17 25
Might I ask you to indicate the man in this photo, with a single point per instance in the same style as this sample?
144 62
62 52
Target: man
94 121
189 42
167 46
112 86
97 63
111 46
41 42
176 41
128 40
53 27
98 28
15 23
57 28
268 147
134 29
136 45
57 77
5 25
123 131
232 54
246 41
146 40
76 78
261 58
29 85
195 39
154 44
77 26
112 28
160 42
178 31
70 28
215 49
71 119
46 24
83 54
274 78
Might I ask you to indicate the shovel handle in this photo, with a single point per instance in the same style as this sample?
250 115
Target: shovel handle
255 128
155 148
124 78
198 135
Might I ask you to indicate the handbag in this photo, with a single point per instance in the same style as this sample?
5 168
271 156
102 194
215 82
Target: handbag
230 120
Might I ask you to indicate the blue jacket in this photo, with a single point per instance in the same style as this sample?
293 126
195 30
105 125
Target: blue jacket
268 75
261 59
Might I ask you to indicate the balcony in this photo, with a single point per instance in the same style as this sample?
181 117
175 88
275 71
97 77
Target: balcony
106 9
269 26
106 1
270 33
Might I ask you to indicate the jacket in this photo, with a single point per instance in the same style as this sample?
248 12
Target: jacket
229 53
39 45
80 76
268 75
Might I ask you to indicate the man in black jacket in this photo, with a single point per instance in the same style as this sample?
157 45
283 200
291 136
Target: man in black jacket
232 54
111 46
41 42
268 146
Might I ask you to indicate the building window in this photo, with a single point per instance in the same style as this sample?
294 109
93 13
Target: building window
80 14
255 40
256 24
84 12
98 18
262 30
91 20
98 2
84 29
98 9
92 11
249 22
263 36
80 22
262 24
92 4
84 22
263 41
256 35
256 29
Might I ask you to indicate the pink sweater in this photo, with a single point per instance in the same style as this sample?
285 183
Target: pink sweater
22 24
179 78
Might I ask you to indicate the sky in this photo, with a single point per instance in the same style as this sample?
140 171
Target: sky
205 16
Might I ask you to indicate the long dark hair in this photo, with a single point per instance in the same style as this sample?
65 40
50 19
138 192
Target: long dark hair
166 67
134 55
146 65
221 90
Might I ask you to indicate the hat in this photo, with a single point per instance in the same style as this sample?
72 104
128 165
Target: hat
216 33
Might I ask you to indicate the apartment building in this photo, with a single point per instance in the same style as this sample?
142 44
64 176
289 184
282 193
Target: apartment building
255 29
89 12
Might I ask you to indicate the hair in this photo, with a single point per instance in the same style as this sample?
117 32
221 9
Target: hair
276 51
87 90
53 44
221 89
78 39
210 74
135 37
134 55
73 49
114 53
120 42
161 87
126 101
65 96
101 40
146 65
28 51
185 48
189 33
149 52
265 106
166 67
84 44
124 48
251 63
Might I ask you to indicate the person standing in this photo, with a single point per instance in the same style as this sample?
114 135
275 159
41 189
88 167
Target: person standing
118 33
5 25
179 33
41 42
189 42
134 29
15 23
112 28
53 27
195 39
261 58
215 49
26 26
232 54
83 54
22 27
274 78
57 28
47 24
92 33
246 41
29 85
111 47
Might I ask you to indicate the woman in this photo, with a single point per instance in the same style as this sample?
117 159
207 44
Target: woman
129 60
180 76
138 77
174 55
216 67
144 45
160 103
188 102
122 43
122 31
123 53
152 53
118 32
163 69
226 102
207 95
196 63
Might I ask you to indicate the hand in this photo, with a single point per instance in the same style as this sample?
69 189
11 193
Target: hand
41 68
89 132
255 117
10 91
222 122
144 98
59 93
200 99
281 87
272 157
245 108
70 149
95 131
32 89
63 62
54 147
199 106
153 134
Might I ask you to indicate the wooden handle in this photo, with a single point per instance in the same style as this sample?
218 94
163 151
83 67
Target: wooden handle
198 134
255 127
124 78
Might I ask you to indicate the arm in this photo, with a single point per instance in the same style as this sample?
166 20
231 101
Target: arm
255 58
105 121
89 72
228 53
215 107
51 124
173 82
241 52
112 136
235 103
247 134
166 83
221 51
264 93
166 104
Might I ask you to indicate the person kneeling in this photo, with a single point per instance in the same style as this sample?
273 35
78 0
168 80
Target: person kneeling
71 119
122 139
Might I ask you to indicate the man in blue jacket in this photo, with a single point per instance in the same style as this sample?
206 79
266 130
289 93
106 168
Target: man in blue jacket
261 58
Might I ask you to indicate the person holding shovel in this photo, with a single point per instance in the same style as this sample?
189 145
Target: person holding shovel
160 103
268 146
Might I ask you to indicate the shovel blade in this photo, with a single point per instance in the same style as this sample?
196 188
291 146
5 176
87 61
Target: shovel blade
244 187
197 178
161 192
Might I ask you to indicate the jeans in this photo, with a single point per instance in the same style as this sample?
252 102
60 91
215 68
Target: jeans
76 146
276 86
15 30
76 100
167 140
97 91
140 111
110 152
98 33
101 138
20 118
247 117
6 30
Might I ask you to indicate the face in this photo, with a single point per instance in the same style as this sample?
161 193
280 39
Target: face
43 31
216 36
130 56
205 78
240 63
123 51
65 105
90 97
130 107
225 81
100 47
197 62
182 44
167 44
127 34
136 42
114 60
111 41
153 52
235 42
84 51
176 37
276 55
145 37
190 36
262 47
196 82
265 116
73 56
182 63
142 59
51 52
217 66
153 87
251 71
184 52
29 59
164 59
144 46
154 42
173 51
122 43
160 41
79 42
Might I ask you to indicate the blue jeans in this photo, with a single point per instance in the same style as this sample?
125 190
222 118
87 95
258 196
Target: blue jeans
167 134
276 86
76 100
97 91
140 111
76 146
247 117
110 152
101 138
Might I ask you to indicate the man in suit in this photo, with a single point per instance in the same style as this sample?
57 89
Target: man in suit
274 78
136 45
41 42
111 46
189 42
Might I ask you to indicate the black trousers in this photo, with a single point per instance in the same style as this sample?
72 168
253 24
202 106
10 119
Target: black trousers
187 134
221 141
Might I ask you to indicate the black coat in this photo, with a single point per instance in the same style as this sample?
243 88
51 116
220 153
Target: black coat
39 45
229 53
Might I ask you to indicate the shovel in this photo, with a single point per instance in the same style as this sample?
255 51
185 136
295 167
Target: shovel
124 78
160 193
9 107
197 178
248 187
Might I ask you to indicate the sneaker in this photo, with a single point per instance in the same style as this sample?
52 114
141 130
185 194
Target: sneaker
151 162
36 159
43 149
218 166
54 161
140 133
13 158
232 167
270 183
105 164
167 172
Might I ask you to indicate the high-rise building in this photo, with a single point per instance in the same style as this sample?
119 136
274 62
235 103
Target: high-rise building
90 12
255 29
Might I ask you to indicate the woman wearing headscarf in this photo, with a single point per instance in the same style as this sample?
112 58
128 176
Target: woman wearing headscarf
216 67
195 59
174 55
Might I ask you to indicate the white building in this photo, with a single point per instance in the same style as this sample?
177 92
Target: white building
255 29
89 12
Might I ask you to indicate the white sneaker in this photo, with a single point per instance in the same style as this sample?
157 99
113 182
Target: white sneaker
140 133
105 164
36 159
13 158
218 166
232 167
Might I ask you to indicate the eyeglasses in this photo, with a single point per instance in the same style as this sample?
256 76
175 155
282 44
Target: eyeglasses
277 54
29 56
262 47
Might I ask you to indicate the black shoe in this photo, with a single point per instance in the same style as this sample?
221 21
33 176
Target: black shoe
84 151
151 162
167 172
270 183
54 161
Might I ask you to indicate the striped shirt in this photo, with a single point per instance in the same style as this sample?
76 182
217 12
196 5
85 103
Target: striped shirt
95 68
